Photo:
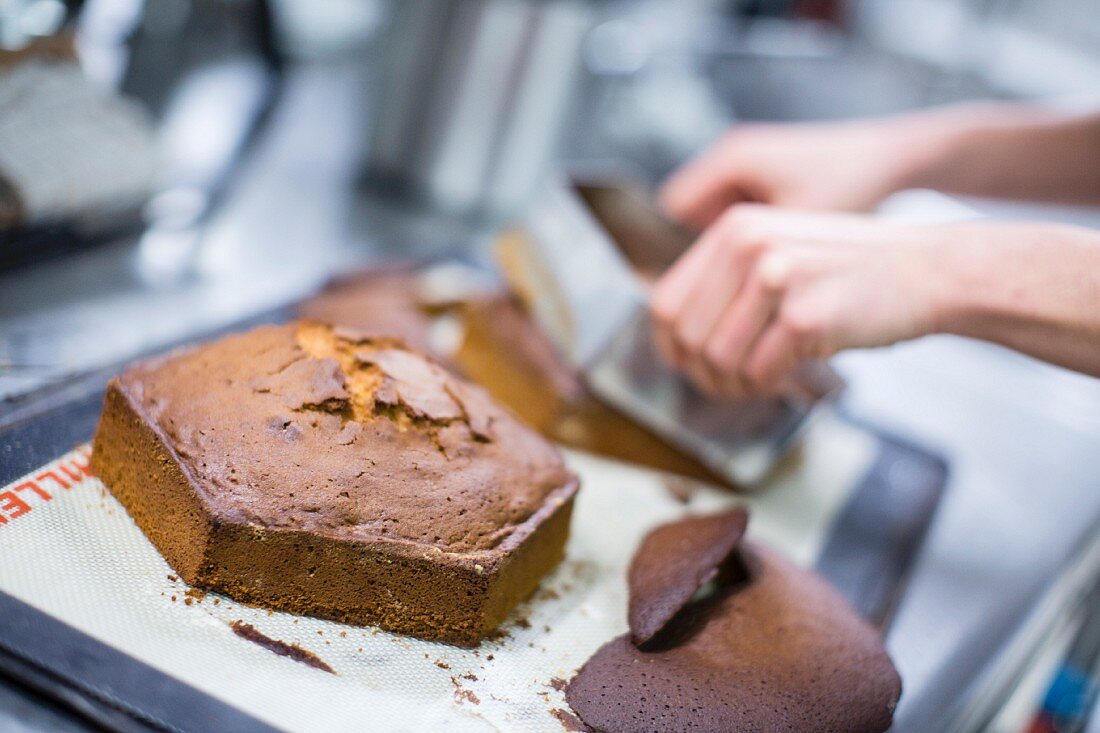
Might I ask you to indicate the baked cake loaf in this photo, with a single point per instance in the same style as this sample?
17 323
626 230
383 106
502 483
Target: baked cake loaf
323 472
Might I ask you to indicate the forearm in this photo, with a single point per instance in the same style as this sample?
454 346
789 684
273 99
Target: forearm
1000 150
1035 290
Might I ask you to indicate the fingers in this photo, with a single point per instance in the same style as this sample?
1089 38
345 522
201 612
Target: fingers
712 308
768 369
739 311
673 291
765 288
688 301
719 285
740 331
701 190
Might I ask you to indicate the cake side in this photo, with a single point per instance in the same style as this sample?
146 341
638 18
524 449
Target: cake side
145 476
430 594
523 563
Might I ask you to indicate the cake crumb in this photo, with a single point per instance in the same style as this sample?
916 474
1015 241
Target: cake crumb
173 598
293 651
462 694
558 684
679 488
498 634
194 594
523 623
489 658
173 578
470 676
569 721
188 600
441 664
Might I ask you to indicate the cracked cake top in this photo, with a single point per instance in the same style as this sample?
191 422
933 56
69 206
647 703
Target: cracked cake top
309 427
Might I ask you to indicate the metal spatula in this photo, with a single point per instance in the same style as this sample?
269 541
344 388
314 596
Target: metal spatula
592 303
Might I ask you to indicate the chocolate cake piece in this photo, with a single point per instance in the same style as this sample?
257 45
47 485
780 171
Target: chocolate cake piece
673 562
323 472
778 650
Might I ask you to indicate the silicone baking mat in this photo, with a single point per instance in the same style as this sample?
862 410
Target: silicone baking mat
70 550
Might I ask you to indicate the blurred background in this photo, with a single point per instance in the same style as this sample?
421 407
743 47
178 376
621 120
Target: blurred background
172 167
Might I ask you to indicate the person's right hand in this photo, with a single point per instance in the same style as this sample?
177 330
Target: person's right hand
765 288
831 166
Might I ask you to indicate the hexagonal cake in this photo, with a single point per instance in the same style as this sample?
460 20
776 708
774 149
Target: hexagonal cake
323 472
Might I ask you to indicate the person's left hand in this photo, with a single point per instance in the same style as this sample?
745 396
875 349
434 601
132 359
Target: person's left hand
764 288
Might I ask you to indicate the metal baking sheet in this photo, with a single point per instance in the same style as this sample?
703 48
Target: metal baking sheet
73 555
81 588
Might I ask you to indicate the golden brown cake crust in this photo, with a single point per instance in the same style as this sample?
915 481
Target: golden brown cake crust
337 475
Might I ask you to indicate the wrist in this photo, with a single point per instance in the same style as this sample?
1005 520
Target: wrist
993 279
921 149
959 148
960 282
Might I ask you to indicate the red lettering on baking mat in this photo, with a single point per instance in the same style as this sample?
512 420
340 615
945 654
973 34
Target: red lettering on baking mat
52 476
33 487
21 498
12 506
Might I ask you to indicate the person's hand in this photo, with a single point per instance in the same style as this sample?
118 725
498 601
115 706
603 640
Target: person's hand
765 288
841 166
984 149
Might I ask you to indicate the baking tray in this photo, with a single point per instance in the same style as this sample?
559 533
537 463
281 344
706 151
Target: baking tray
92 617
